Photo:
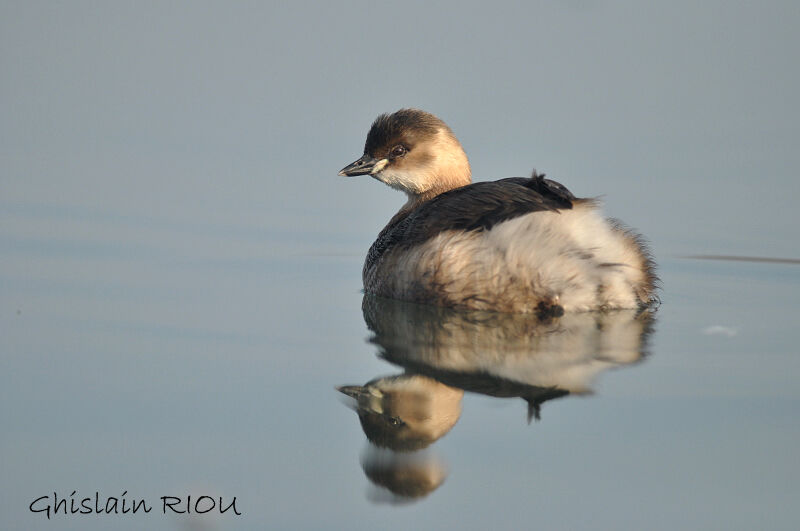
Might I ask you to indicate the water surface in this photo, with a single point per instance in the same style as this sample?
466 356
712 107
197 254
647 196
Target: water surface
153 368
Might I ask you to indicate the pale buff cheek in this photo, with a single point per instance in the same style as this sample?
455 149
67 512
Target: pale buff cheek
442 165
405 181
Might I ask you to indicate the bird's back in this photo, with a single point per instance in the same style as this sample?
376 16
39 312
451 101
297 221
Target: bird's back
517 244
475 207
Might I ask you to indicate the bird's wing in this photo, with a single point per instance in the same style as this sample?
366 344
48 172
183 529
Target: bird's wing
481 206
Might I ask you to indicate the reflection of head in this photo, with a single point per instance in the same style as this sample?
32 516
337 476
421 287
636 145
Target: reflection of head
406 412
406 476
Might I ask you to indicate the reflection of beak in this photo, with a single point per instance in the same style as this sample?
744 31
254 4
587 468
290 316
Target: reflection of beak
368 398
366 165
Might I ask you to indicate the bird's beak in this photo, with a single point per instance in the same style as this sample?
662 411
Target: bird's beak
353 391
366 165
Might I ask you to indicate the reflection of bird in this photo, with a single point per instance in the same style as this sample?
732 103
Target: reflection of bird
514 245
506 355
405 412
445 352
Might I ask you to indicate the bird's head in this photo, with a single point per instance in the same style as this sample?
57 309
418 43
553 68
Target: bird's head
412 151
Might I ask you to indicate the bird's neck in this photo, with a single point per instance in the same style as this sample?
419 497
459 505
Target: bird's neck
442 186
454 174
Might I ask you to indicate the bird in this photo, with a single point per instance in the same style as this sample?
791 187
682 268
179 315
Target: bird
515 245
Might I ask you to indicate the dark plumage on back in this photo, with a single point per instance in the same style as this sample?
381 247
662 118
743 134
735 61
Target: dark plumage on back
478 206
481 206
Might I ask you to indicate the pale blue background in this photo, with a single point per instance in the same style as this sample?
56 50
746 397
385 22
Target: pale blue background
180 264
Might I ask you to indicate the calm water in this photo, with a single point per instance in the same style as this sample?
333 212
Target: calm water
134 359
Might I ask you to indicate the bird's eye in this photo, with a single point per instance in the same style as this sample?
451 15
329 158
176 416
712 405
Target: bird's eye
398 151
